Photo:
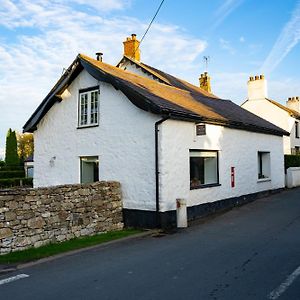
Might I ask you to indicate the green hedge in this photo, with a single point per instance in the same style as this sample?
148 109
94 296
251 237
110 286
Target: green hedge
11 168
12 174
291 161
13 182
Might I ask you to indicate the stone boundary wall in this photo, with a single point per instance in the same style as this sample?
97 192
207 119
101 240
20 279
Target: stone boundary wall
36 217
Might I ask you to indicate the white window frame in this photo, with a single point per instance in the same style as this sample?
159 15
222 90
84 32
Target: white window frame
207 154
91 159
90 113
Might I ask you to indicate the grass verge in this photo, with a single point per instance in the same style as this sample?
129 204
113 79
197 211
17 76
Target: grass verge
57 248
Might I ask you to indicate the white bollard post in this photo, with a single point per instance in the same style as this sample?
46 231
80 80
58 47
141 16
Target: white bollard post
181 212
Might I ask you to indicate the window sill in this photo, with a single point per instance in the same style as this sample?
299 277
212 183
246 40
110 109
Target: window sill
263 180
205 186
87 126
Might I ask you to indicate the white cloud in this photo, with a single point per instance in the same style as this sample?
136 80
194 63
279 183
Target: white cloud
242 39
232 86
33 63
286 41
104 5
228 7
226 45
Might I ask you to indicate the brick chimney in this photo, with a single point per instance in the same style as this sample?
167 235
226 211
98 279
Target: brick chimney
293 103
131 48
257 87
204 81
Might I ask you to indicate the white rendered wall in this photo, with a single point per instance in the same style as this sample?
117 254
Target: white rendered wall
124 142
134 69
237 148
274 114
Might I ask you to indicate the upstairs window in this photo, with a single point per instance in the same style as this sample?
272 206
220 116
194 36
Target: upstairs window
88 110
297 130
263 165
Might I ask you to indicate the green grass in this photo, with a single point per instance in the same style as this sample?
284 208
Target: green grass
57 248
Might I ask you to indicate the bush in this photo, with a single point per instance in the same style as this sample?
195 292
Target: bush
12 174
14 182
291 161
11 168
11 152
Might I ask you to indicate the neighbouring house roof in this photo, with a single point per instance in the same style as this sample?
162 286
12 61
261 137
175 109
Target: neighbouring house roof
293 113
165 77
190 104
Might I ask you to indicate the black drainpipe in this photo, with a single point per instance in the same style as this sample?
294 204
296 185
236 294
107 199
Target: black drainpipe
157 169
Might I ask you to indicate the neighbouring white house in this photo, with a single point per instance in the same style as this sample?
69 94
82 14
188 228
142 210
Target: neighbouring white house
286 117
161 137
29 166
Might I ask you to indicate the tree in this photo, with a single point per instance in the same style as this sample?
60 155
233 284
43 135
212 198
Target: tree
11 154
25 145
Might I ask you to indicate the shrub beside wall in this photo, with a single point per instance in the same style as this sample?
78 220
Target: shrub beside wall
36 217
291 161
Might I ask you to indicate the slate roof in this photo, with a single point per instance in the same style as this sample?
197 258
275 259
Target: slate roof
189 104
166 78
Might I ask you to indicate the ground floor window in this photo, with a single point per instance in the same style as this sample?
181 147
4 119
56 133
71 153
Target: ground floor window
203 168
295 151
29 172
89 169
264 166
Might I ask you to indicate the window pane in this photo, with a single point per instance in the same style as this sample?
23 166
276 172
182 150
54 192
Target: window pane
89 169
263 165
203 168
94 107
83 109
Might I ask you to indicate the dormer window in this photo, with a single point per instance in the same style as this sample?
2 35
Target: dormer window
88 110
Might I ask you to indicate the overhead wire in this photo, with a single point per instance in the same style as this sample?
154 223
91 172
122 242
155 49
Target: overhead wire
149 26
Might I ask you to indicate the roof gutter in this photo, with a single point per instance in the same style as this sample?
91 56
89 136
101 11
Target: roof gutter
157 173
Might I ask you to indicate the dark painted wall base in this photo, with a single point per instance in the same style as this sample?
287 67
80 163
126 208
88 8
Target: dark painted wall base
150 219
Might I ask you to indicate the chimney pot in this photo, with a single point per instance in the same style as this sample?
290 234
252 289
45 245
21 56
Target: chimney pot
99 56
131 47
257 87
204 81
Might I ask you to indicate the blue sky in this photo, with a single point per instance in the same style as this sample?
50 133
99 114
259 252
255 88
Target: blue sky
38 38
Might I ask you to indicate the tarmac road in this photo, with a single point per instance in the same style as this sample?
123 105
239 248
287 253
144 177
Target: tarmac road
251 252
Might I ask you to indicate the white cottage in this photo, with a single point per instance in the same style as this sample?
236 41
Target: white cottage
161 137
286 117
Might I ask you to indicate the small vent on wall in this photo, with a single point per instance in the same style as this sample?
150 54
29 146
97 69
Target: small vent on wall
200 129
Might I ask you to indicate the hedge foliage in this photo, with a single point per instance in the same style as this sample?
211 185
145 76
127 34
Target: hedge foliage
13 182
12 174
11 168
291 161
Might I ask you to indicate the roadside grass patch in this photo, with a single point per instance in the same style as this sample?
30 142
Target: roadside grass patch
57 248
